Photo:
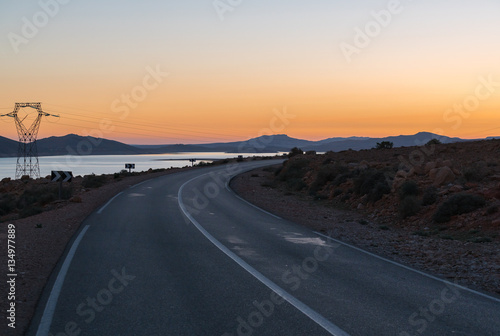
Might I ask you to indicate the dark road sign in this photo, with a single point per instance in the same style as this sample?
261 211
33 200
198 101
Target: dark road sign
61 176
129 166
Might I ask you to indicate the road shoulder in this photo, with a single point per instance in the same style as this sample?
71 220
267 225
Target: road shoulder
471 265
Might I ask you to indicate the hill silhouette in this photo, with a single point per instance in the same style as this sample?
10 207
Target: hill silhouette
79 145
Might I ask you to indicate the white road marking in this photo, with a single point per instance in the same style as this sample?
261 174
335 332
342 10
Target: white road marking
48 313
244 200
138 184
410 269
109 202
252 205
306 310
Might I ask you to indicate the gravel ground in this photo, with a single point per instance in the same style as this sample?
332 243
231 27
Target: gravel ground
475 265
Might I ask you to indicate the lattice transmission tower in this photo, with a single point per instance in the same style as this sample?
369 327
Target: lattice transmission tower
27 153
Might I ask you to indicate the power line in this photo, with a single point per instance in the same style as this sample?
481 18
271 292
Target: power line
101 113
139 129
119 132
132 123
147 127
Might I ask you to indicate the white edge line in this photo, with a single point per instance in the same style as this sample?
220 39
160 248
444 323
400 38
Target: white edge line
244 200
252 205
48 313
138 184
109 202
306 310
409 268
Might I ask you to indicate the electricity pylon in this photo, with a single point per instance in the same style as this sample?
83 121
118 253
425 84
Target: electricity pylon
27 153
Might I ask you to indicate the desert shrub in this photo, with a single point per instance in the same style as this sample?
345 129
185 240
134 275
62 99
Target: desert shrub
66 192
481 240
408 188
326 174
30 211
471 175
345 198
430 196
295 151
384 145
409 206
93 181
311 152
269 184
337 192
492 210
296 184
32 200
366 181
327 161
269 169
381 188
7 203
372 183
341 178
476 172
456 205
294 169
433 142
40 195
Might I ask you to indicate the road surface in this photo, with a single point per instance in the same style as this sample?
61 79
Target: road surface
183 255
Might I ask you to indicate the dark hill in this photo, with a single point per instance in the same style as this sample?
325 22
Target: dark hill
77 145
8 147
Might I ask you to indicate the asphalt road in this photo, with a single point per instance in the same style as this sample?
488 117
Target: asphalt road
183 255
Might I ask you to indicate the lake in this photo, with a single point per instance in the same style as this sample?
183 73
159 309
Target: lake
109 164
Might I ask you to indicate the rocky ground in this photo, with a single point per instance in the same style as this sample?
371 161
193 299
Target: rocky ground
379 201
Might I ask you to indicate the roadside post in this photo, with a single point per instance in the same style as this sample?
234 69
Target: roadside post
129 166
61 176
192 162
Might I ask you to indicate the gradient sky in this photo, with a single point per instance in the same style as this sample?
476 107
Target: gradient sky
228 78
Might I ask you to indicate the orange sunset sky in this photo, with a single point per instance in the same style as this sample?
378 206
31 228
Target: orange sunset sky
338 68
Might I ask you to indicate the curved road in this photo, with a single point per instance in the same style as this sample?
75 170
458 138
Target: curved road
183 255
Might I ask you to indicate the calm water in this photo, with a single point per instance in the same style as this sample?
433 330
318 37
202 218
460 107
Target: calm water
109 164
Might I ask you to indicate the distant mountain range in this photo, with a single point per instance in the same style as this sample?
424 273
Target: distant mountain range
78 145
